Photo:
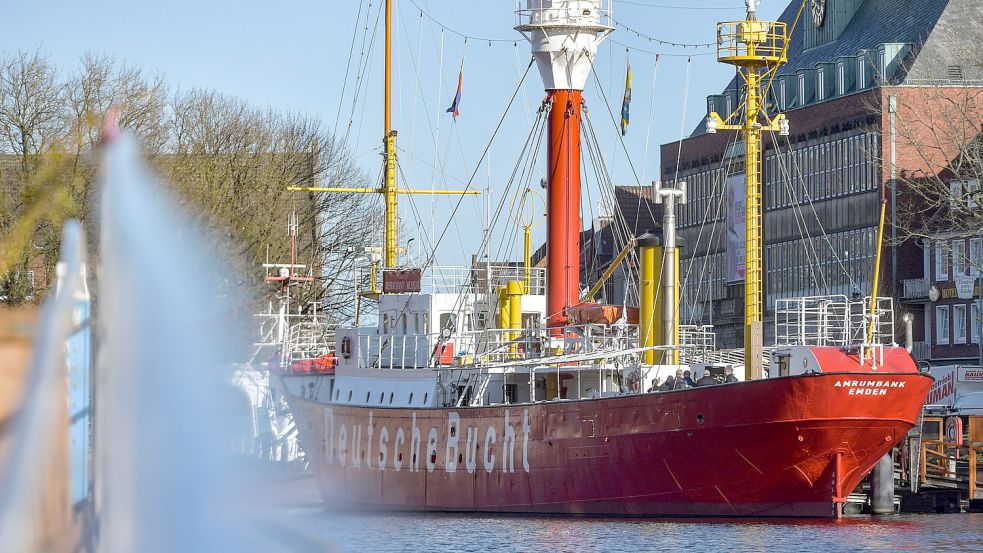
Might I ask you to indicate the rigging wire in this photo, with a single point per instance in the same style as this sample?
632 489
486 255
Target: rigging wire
682 121
648 127
365 59
351 52
456 32
498 127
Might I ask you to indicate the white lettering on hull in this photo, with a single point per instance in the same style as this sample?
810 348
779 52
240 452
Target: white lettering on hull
340 439
868 387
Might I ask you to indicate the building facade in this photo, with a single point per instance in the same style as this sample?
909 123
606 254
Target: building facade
863 89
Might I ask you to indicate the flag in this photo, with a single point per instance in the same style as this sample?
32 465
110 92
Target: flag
626 102
456 106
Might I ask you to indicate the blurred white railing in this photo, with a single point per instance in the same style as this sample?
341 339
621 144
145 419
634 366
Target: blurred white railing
29 454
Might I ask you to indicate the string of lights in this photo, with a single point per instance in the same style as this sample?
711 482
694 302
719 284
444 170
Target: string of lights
650 38
466 37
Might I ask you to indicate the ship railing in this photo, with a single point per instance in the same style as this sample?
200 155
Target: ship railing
836 321
588 13
813 320
395 351
502 274
698 338
307 340
498 345
481 278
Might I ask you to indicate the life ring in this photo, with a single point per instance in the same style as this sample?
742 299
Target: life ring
346 347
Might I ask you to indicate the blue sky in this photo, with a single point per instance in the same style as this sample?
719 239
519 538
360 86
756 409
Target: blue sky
292 55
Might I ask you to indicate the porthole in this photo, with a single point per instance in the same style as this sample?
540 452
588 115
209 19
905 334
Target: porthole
411 398
699 420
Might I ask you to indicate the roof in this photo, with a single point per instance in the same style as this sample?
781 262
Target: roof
876 22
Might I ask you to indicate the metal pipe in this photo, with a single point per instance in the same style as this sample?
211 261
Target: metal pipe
647 328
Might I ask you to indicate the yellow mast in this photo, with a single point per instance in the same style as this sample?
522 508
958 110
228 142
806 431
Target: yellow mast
758 49
391 257
389 189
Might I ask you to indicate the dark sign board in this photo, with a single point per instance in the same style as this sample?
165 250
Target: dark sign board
401 281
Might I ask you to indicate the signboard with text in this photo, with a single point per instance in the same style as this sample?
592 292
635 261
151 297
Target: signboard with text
399 281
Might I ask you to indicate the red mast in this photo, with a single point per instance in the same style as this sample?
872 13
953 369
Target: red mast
563 205
564 35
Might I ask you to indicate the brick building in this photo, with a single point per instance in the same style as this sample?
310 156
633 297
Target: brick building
863 86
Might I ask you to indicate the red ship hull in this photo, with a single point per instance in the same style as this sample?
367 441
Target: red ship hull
780 447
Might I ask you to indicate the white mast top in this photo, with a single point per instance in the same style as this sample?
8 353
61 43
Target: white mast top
564 35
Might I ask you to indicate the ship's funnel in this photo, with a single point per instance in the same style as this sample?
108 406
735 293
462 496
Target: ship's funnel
564 35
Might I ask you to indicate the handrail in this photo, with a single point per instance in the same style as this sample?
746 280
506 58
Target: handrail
972 454
29 453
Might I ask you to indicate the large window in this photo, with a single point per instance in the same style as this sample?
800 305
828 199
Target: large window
974 323
959 324
942 324
941 261
958 258
974 256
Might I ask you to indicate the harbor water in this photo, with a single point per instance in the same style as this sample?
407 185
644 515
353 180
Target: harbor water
452 532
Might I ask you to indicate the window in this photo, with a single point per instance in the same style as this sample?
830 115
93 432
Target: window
974 256
821 93
958 258
955 194
959 324
840 78
942 324
972 193
781 94
448 320
386 323
941 262
403 320
974 323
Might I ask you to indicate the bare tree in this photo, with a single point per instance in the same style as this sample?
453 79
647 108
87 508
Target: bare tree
229 162
30 104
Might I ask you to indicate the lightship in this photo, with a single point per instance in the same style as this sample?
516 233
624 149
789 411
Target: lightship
431 411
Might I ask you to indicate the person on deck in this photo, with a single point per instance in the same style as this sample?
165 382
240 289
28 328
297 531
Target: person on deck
669 384
707 379
688 379
730 378
681 383
654 387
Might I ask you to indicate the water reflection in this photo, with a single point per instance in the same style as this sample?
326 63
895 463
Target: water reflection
456 532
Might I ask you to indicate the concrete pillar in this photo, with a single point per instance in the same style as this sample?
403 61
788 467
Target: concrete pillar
882 486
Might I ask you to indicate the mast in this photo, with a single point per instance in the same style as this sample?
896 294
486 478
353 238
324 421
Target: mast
564 35
757 48
391 255
389 189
